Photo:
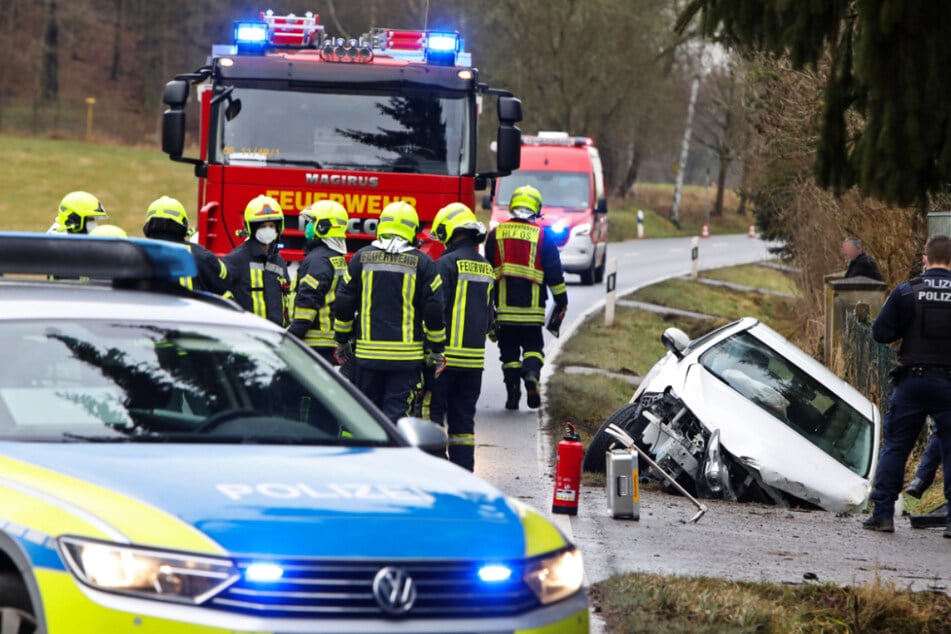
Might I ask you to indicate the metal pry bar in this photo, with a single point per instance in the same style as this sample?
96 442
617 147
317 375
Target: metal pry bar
625 439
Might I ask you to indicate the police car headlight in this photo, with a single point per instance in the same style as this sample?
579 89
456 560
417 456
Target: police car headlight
152 574
557 576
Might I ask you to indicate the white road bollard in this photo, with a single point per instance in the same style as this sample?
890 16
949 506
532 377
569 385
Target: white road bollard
610 285
695 257
640 223
622 479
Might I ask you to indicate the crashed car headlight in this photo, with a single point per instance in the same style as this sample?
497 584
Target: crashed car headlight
557 576
715 472
152 574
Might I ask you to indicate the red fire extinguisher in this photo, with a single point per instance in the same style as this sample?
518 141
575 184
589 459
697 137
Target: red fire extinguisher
568 473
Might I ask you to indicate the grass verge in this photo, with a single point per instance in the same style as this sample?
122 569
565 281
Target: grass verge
641 602
37 173
756 276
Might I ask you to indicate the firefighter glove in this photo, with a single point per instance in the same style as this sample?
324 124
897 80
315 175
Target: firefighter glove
343 353
436 361
554 322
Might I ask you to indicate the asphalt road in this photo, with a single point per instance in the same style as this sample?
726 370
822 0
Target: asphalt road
734 541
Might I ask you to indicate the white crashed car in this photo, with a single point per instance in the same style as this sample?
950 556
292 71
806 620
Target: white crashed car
742 414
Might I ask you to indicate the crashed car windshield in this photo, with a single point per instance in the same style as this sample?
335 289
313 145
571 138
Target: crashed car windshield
113 381
793 397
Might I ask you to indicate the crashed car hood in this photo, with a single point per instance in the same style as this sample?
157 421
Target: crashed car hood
277 500
784 459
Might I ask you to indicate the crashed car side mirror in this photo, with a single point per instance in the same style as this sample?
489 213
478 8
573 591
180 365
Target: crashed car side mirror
675 340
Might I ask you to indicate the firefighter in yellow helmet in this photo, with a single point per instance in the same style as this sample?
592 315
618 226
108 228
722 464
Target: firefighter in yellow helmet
79 212
258 273
108 231
395 290
468 279
166 219
325 227
526 262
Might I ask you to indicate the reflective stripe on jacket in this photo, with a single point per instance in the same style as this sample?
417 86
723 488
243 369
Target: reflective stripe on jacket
397 301
525 259
259 280
468 279
317 279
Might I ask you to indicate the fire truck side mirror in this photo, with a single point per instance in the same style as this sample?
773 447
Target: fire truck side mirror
175 94
509 149
487 201
173 132
510 110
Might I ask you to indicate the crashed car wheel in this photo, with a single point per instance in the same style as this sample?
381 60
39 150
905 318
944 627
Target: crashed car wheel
628 418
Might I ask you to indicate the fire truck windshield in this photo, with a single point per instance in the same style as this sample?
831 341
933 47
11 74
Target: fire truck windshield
422 132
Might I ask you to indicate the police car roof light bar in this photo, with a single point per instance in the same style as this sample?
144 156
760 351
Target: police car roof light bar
101 258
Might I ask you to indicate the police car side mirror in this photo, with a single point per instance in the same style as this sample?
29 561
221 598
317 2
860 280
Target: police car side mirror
424 434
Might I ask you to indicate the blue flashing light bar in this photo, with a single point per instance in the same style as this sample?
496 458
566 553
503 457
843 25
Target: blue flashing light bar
251 37
442 42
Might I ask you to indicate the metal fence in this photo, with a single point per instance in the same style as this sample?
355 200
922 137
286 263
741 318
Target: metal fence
867 362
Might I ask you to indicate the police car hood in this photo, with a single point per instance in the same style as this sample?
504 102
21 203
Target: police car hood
297 501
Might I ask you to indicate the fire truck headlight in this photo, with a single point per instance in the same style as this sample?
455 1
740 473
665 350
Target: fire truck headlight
581 230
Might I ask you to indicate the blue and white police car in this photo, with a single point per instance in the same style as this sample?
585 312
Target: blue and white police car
169 463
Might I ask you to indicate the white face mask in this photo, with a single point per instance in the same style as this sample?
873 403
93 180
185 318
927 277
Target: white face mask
265 235
337 244
90 225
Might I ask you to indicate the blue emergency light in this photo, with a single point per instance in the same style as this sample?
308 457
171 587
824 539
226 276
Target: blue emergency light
441 48
263 572
495 573
250 37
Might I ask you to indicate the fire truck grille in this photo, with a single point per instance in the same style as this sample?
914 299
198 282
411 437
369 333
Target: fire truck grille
309 589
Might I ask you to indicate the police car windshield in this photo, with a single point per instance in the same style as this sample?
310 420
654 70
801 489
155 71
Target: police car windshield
425 132
570 190
99 380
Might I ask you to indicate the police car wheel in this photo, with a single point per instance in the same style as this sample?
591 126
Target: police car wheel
15 608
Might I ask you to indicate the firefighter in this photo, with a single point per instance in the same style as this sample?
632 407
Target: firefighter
79 212
395 290
108 231
468 279
325 227
166 219
526 261
258 273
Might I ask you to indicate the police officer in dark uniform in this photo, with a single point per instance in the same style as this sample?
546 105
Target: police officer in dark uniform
167 220
919 313
397 293
468 279
258 273
324 265
526 261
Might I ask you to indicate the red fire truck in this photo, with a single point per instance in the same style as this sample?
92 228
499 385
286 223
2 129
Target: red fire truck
300 116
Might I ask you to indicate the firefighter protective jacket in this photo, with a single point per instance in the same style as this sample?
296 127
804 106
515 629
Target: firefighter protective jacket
398 301
468 279
259 280
526 260
317 278
212 272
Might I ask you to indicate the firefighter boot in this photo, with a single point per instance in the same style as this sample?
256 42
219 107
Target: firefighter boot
513 394
513 386
532 392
